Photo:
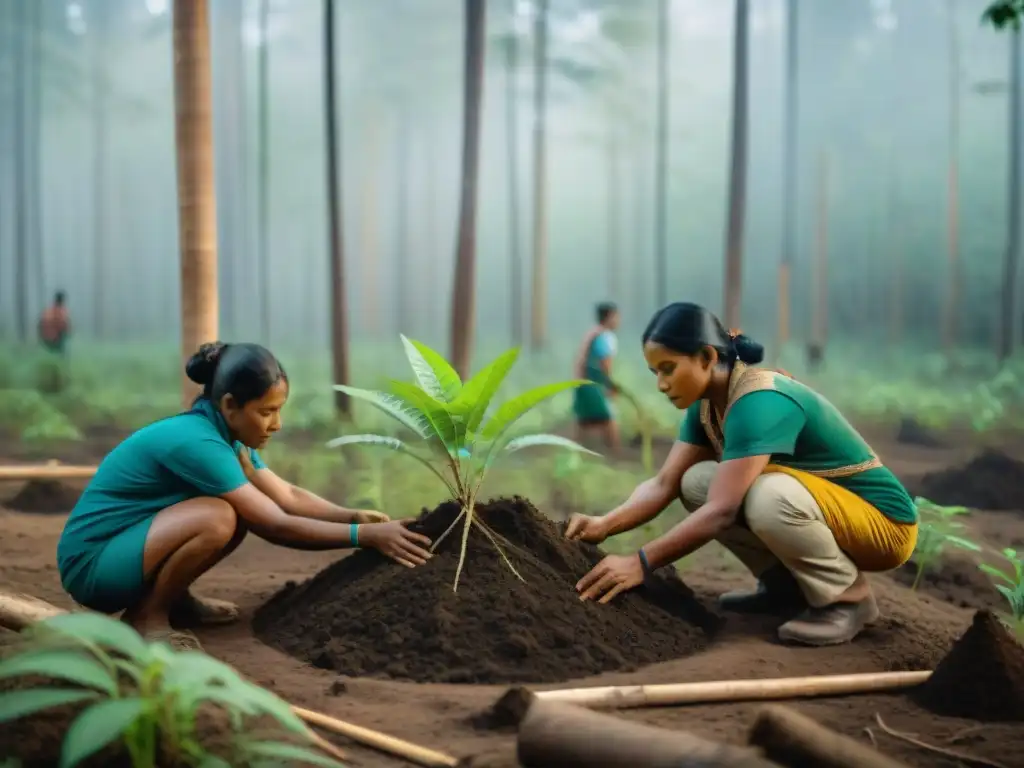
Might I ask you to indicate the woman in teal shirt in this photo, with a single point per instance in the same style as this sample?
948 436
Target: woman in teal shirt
179 495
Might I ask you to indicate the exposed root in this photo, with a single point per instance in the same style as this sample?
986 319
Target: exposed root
492 536
953 754
450 528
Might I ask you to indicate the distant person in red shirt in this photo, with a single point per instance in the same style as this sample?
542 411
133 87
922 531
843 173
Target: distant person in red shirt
54 324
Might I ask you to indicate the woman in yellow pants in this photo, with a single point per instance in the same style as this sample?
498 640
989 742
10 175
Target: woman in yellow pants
771 470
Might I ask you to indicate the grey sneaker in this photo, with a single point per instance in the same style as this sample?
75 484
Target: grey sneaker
777 594
832 625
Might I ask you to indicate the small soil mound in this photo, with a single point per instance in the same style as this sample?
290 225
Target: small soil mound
981 678
992 480
365 616
911 432
44 497
956 580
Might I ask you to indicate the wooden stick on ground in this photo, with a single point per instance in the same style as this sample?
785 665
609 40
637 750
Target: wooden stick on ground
18 611
625 696
789 738
556 734
46 472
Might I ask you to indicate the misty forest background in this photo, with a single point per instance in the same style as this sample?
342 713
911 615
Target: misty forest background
891 97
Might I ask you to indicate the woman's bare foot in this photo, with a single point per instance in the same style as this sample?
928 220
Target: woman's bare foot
192 611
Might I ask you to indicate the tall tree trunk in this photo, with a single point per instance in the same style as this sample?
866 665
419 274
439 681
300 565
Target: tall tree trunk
464 288
738 173
896 226
790 162
36 159
661 165
336 245
100 100
21 209
429 280
370 258
228 92
614 213
243 196
819 322
539 288
403 258
952 309
197 200
263 184
515 255
1008 335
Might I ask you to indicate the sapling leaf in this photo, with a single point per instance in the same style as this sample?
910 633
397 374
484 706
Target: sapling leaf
383 441
270 704
433 410
15 704
534 441
512 410
435 375
395 407
97 727
63 665
476 396
963 543
280 753
102 631
996 573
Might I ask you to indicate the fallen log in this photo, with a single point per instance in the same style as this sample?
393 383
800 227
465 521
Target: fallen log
627 696
18 611
790 738
50 471
556 735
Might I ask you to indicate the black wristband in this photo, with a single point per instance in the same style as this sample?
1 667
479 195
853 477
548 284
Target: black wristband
646 566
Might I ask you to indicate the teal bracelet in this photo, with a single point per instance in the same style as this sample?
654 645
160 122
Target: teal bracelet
353 534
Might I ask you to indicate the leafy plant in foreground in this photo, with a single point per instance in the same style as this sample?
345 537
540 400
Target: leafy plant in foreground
141 693
937 529
1012 588
448 418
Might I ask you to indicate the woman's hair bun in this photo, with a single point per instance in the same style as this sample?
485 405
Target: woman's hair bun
747 350
201 366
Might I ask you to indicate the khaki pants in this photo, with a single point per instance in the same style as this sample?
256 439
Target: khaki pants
785 526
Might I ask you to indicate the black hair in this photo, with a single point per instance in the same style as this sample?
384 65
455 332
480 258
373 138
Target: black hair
244 371
688 328
58 298
605 310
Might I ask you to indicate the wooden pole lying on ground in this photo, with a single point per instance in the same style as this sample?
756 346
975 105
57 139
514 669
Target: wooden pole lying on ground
790 738
553 734
18 611
626 696
46 472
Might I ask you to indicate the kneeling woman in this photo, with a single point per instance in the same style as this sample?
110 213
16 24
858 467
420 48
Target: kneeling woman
179 495
771 470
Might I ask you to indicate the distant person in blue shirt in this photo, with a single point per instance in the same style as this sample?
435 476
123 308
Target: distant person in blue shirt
178 496
591 405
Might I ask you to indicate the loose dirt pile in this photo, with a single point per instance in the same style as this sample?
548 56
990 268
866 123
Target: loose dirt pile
365 616
44 497
992 480
981 678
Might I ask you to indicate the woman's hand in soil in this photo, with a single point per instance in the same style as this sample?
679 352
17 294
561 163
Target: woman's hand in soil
614 574
364 516
592 530
396 541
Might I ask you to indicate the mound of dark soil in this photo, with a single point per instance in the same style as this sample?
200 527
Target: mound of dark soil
981 678
365 616
992 480
911 432
44 497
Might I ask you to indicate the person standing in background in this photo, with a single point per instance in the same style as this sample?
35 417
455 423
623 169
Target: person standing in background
591 403
54 324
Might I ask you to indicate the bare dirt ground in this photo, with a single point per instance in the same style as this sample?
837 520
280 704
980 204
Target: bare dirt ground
914 633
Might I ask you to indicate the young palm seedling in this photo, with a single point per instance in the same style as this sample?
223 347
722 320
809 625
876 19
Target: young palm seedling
1010 587
145 695
456 433
938 528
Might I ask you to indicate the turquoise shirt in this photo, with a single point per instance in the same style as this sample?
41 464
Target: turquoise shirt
169 461
603 347
800 429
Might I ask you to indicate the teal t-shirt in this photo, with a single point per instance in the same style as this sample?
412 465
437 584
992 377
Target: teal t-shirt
603 347
800 429
169 461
